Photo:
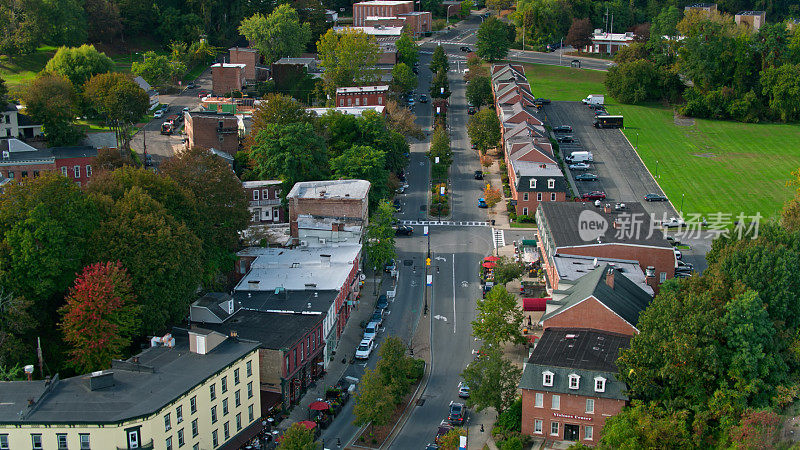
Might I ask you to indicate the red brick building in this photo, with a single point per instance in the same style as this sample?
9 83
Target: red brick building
379 8
570 386
362 96
333 210
209 130
535 182
247 56
265 201
227 78
19 160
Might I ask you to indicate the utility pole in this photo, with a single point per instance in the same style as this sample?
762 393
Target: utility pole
39 355
560 51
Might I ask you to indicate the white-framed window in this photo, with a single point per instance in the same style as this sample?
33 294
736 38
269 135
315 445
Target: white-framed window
588 433
224 406
214 414
84 440
169 443
589 406
214 439
235 376
555 402
179 414
226 430
238 421
341 102
276 214
547 378
248 368
538 401
255 194
212 391
380 100
195 429
196 446
554 428
538 196
525 196
36 441
64 171
250 413
61 441
256 214
181 440
250 389
193 404
662 276
265 194
524 211
533 183
237 398
551 183
574 381
357 101
77 171
537 426
553 197
167 423
599 384
88 170
349 101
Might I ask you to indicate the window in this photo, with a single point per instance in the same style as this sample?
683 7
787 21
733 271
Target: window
11 175
213 414
35 174
547 378
554 428
77 171
212 390
380 100
64 171
180 438
167 424
225 407
590 406
525 197
533 183
169 443
220 124
36 441
357 100
236 376
588 433
88 171
341 102
265 194
193 404
255 194
214 439
599 384
84 440
256 215
196 446
226 430
539 401
179 414
287 364
555 402
349 102
224 384
538 196
238 421
25 174
250 413
663 277
237 398
133 438
537 426
250 389
61 440
524 211
195 430
574 381
551 183
552 196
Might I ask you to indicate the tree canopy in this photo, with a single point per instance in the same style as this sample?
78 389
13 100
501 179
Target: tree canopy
52 101
494 39
479 91
492 380
499 319
291 152
484 129
277 35
78 64
120 101
349 59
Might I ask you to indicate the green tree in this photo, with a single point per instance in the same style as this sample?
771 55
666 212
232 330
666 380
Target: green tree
298 437
120 101
402 120
78 64
493 39
407 50
466 7
484 129
439 60
372 406
21 24
492 380
452 439
380 247
277 35
17 322
395 368
51 100
364 163
781 85
479 92
499 318
440 147
64 22
506 270
403 79
349 59
291 153
279 109
633 82
158 69
498 5
103 20
642 425
440 86
545 21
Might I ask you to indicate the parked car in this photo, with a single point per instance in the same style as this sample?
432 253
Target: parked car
678 254
685 264
390 266
377 316
541 101
401 176
397 206
203 93
673 222
562 129
423 98
553 47
403 230
158 114
371 331
586 177
463 390
191 85
415 69
478 175
565 139
457 414
655 198
482 203
683 275
465 49
594 195
365 348
674 242
579 166
383 302
471 110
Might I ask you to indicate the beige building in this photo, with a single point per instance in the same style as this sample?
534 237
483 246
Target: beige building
194 390
751 19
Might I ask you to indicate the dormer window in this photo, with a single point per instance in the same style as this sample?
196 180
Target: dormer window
551 183
599 384
533 183
547 378
574 381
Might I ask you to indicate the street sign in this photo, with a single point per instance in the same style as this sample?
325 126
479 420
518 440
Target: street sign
425 230
430 280
441 190
436 160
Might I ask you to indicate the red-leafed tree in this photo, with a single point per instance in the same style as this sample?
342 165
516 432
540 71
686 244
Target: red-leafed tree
100 317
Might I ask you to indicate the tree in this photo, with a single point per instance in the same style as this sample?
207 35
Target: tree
440 86
403 79
757 429
395 368
440 147
51 100
633 82
402 120
407 50
78 64
372 406
364 163
493 39
466 7
279 109
64 22
277 35
21 24
484 129
546 21
499 319
103 20
642 425
298 437
16 322
479 92
380 236
158 69
221 204
476 68
439 60
349 59
781 85
292 153
498 5
579 34
492 380
452 440
120 101
506 270
100 316
492 197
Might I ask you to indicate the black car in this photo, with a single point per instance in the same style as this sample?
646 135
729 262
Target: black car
553 47
457 413
377 316
471 110
383 302
565 139
404 230
542 101
478 174
423 98
465 49
401 176
562 129
655 198
586 177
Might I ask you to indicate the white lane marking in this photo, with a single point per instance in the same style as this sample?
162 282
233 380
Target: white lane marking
454 293
438 317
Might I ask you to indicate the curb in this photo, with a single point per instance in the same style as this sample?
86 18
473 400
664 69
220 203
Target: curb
636 151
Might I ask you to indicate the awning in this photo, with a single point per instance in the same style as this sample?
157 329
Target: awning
534 304
489 265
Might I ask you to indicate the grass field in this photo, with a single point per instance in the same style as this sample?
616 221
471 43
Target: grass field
18 69
710 166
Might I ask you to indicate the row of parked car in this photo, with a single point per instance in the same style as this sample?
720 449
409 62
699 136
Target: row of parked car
368 344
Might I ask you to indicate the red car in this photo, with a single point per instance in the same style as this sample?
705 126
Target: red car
594 195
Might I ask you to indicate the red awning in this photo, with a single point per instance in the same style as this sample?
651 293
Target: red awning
489 265
308 424
491 258
534 304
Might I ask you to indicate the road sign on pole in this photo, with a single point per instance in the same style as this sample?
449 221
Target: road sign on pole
430 280
425 230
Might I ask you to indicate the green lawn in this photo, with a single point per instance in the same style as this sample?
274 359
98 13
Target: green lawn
19 69
710 166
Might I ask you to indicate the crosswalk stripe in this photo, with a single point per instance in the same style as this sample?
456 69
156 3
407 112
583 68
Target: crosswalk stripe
443 223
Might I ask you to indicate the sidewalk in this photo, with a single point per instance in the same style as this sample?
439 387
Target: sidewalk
498 212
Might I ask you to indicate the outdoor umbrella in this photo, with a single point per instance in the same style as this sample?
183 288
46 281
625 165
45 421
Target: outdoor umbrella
488 265
308 424
491 258
319 406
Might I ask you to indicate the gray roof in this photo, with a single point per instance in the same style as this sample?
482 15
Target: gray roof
21 153
356 189
587 353
571 268
16 395
162 375
626 299
541 172
74 152
288 301
562 222
272 330
212 301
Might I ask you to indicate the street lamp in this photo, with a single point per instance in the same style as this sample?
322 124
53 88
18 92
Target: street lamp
683 196
656 168
448 13
375 277
637 140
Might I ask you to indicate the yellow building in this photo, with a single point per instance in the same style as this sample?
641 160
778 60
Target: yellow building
193 390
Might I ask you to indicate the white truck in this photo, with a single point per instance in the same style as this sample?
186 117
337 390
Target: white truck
594 99
579 157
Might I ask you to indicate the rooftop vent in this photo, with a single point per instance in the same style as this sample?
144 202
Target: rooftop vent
101 380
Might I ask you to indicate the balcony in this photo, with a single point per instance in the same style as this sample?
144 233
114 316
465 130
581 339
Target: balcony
270 202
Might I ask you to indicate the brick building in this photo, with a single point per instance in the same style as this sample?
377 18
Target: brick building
569 269
19 160
265 201
362 95
570 385
579 228
417 23
227 78
212 130
535 182
328 211
247 56
604 297
380 8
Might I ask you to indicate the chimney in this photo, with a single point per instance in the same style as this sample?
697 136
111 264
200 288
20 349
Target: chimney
325 260
610 277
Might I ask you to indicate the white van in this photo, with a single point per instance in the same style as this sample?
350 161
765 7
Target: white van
579 157
594 99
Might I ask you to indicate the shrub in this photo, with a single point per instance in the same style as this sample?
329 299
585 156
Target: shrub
514 443
511 418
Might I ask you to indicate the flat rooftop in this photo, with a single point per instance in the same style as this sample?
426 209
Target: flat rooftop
573 267
288 301
261 183
339 189
361 89
304 268
535 169
349 110
579 348
384 3
273 330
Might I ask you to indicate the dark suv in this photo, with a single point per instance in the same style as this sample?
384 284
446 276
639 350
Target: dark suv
457 414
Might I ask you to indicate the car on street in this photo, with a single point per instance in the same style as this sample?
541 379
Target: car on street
383 302
203 93
397 205
579 166
465 49
478 175
371 331
431 447
377 317
403 230
541 101
463 390
655 198
678 254
158 114
685 265
401 176
553 47
389 267
683 269
673 222
565 139
482 203
457 414
471 110
594 195
674 242
365 348
586 177
401 190
562 129
415 69
423 98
